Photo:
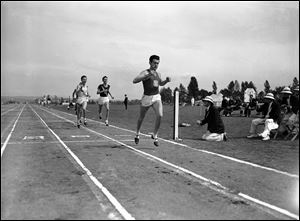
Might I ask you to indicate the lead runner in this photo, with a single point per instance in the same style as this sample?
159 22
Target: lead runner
151 98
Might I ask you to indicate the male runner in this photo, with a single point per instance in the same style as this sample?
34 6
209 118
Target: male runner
151 97
82 99
103 90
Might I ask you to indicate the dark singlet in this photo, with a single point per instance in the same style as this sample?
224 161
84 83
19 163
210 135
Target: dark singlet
105 93
151 85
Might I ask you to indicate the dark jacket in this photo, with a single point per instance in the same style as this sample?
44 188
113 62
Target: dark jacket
294 101
214 120
224 103
274 113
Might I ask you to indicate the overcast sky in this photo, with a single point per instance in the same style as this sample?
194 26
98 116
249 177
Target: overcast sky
47 46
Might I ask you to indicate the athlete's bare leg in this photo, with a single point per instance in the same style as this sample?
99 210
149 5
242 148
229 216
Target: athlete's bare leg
79 110
158 108
84 111
107 111
100 111
143 111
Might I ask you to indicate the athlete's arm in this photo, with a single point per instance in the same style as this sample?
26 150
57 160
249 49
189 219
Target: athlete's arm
87 91
74 92
144 75
162 83
99 90
110 95
78 88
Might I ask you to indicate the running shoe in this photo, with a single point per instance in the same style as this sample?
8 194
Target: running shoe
266 138
106 122
85 123
136 139
252 136
155 140
225 138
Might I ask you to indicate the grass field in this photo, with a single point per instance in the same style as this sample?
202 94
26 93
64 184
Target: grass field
280 154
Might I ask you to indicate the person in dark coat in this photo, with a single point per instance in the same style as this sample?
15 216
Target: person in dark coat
125 101
215 125
294 101
224 105
271 118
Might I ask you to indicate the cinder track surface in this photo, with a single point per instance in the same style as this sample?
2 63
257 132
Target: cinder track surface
50 169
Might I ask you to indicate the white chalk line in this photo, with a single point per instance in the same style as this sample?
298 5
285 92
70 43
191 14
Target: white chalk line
9 135
66 141
207 152
207 182
110 197
8 111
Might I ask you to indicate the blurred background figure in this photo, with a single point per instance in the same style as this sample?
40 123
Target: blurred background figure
125 101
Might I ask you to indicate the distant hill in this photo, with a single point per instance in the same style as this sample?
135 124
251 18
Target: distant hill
20 99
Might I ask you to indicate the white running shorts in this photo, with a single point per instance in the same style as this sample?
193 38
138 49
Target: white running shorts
80 100
103 100
148 100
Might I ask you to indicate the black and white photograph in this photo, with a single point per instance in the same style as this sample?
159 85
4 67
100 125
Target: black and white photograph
149 110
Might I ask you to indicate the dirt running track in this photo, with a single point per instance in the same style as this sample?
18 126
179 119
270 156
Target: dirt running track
50 169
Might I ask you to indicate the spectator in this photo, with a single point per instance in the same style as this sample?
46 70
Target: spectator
193 101
230 106
125 101
285 108
224 105
215 127
251 105
271 114
294 102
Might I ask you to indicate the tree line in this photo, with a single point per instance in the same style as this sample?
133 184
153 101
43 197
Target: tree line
234 90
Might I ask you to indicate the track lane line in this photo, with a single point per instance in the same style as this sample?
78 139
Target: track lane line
204 181
8 110
104 190
9 135
204 151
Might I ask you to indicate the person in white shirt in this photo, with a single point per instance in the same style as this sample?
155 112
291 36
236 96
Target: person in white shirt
82 95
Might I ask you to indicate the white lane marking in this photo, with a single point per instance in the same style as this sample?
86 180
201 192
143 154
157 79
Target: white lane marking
80 135
67 141
9 135
110 197
123 135
8 111
207 182
208 152
283 211
33 138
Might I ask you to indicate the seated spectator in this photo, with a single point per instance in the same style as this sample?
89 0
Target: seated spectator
238 105
230 106
251 105
294 102
285 108
271 114
215 127
224 105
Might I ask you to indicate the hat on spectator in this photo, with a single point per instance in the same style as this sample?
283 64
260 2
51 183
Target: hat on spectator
269 96
209 99
286 90
296 88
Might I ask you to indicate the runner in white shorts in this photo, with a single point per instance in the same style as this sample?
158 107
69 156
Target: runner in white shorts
151 97
103 91
82 95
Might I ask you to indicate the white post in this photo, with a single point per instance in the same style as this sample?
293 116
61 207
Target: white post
176 114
